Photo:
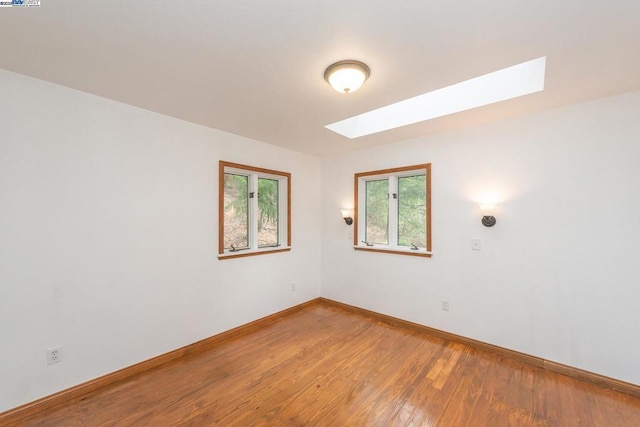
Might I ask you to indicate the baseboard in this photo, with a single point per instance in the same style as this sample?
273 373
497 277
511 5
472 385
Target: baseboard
601 380
68 395
591 377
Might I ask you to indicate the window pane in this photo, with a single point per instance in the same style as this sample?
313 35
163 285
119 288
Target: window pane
377 212
412 211
267 212
236 211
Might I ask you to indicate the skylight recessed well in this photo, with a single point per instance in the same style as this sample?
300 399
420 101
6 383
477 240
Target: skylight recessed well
508 83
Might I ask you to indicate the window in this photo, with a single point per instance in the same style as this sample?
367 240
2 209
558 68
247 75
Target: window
393 210
254 211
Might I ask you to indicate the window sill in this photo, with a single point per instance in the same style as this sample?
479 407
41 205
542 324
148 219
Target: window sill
420 253
262 251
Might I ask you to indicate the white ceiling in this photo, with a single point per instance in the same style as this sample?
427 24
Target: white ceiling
255 67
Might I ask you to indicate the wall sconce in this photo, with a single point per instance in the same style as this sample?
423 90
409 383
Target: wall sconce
488 220
347 216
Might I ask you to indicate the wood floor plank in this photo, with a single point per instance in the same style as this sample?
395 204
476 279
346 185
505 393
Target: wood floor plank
383 378
463 405
419 397
325 366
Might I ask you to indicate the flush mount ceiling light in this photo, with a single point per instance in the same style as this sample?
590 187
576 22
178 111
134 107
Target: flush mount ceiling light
518 80
347 76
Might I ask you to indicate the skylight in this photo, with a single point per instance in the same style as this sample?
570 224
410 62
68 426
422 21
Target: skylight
508 83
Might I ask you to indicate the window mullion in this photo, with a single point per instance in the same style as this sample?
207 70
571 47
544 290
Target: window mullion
393 210
253 212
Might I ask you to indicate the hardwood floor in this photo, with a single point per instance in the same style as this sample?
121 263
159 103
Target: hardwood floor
323 366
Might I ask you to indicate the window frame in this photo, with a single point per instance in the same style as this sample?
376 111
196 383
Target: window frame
360 180
284 210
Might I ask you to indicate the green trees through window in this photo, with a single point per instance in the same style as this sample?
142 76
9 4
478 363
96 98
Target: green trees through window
377 209
254 210
267 212
236 211
412 209
393 210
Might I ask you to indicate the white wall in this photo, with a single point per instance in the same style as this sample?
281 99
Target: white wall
557 277
108 237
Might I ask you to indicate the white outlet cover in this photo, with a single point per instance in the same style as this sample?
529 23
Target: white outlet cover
475 244
53 355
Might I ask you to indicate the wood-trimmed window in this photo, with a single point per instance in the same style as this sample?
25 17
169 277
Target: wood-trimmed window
393 210
254 211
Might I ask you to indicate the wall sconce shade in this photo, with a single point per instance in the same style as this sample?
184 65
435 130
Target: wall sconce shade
347 76
488 220
346 215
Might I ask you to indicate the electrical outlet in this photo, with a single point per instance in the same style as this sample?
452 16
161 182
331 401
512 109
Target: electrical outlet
53 355
444 304
293 286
